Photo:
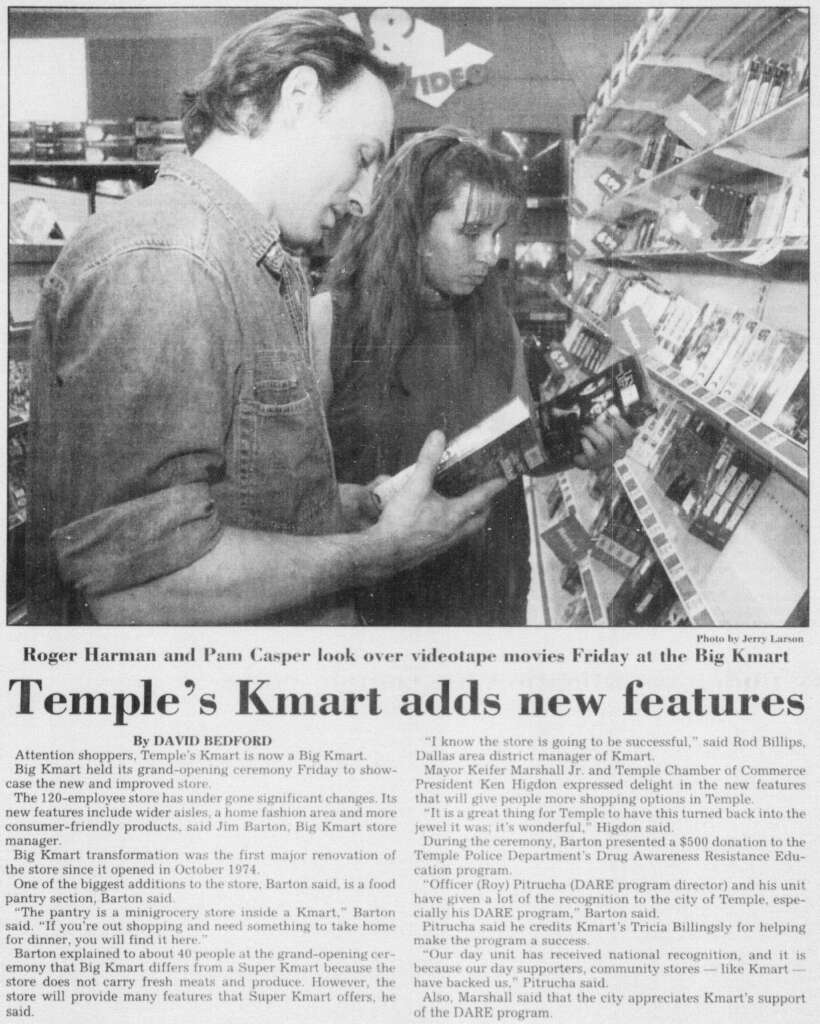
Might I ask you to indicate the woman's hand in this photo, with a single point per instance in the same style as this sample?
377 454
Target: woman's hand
605 442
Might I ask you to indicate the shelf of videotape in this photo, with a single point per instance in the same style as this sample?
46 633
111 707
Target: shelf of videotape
689 224
137 140
697 142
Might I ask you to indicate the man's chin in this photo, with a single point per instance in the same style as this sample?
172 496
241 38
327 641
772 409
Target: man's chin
301 243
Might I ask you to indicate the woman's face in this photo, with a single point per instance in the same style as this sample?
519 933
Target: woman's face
461 244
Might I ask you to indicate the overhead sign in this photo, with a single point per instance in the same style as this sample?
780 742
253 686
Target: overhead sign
400 38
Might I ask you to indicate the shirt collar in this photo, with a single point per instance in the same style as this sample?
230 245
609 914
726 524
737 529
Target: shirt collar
262 239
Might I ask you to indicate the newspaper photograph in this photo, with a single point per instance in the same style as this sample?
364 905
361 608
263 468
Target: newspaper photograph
407 565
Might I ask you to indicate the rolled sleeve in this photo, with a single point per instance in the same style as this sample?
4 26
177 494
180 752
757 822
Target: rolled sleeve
139 413
137 541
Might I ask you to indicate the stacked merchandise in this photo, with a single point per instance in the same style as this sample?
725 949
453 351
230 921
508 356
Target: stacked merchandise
782 213
95 141
618 539
728 207
760 88
661 150
646 597
16 472
21 140
710 479
576 611
19 380
590 348
46 141
107 140
760 368
157 138
656 434
746 219
759 84
70 141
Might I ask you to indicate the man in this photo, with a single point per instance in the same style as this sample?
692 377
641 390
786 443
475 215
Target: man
180 468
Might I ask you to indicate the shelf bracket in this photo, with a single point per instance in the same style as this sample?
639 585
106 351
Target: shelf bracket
635 140
748 157
638 107
720 70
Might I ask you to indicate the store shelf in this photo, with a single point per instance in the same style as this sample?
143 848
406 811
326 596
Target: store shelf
790 257
541 318
107 169
675 548
749 582
760 577
538 605
777 450
697 47
546 202
763 146
600 583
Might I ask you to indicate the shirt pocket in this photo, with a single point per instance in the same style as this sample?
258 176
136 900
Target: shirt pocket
287 483
279 385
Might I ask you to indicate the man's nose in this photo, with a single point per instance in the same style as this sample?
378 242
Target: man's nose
361 195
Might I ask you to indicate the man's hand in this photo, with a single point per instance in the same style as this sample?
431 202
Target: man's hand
605 442
417 523
360 508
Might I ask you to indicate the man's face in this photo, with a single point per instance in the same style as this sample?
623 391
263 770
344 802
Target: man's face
338 146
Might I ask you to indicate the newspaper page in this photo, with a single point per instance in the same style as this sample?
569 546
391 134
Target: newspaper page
547 823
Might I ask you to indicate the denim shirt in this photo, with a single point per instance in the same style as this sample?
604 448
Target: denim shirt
172 394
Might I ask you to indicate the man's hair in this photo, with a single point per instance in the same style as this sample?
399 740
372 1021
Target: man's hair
243 83
377 272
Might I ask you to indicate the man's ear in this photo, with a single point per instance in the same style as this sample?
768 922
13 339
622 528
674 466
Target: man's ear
301 92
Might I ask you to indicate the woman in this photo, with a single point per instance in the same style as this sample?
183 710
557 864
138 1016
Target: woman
422 339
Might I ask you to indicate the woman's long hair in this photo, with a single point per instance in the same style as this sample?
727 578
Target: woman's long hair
377 273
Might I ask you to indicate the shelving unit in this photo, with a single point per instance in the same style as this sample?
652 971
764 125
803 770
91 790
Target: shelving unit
79 175
680 51
760 577
600 583
717 589
791 260
781 452
764 147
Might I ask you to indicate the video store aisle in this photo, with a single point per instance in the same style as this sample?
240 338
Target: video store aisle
663 156
689 225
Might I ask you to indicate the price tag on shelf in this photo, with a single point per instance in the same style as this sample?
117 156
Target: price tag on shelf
597 613
608 240
610 182
559 359
765 253
577 207
575 250
693 123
